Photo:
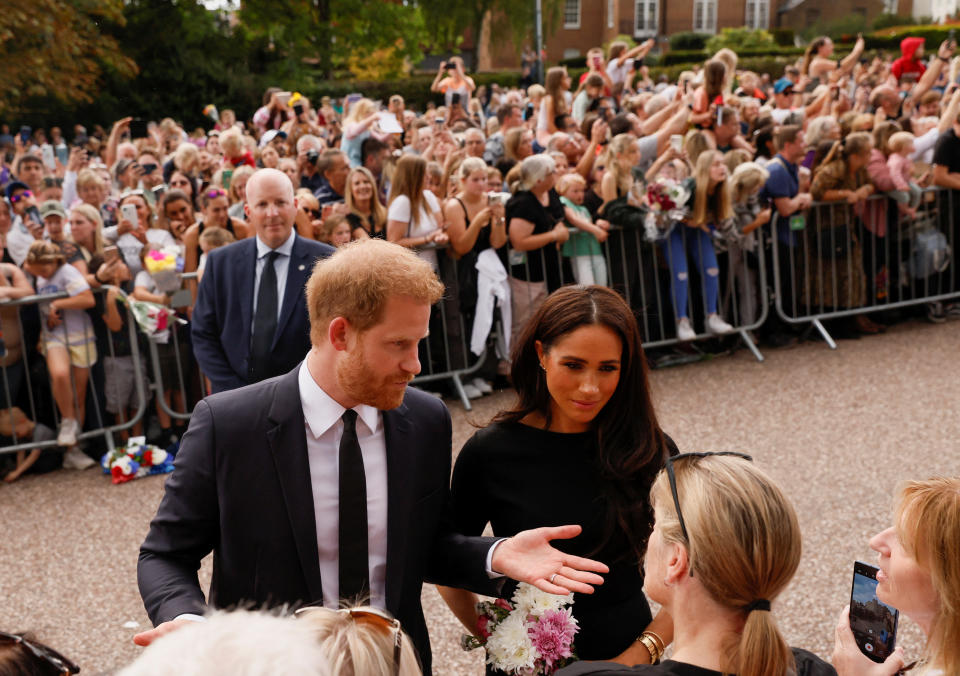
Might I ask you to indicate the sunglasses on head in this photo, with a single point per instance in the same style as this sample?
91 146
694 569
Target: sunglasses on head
314 213
42 652
214 193
375 616
23 195
673 482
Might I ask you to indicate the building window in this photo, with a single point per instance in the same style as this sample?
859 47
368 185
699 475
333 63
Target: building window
645 25
705 16
758 14
610 13
571 14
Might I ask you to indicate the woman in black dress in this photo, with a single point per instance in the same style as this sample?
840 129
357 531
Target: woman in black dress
581 446
366 214
725 543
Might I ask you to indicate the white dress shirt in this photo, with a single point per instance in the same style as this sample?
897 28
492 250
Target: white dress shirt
281 265
324 428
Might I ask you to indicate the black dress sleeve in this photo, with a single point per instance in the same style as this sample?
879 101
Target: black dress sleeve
467 488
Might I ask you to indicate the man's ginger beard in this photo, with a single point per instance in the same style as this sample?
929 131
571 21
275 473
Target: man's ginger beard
361 383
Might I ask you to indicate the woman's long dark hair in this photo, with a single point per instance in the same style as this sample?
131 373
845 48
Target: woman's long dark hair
630 446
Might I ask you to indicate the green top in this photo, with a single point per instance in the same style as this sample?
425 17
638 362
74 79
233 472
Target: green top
580 243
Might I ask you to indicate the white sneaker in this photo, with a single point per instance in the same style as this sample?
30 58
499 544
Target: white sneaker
74 458
717 326
471 391
482 385
67 436
685 332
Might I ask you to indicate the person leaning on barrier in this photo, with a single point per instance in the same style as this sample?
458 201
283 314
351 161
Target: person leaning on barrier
919 561
244 331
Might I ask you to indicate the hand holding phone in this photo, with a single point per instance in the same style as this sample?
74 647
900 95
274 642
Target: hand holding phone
873 622
129 212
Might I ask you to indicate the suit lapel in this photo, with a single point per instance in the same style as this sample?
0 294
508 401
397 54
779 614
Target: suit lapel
400 470
297 274
244 277
288 445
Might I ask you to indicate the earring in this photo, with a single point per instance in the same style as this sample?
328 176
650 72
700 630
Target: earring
542 366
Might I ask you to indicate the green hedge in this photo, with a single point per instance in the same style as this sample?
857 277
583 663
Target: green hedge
890 39
675 56
688 40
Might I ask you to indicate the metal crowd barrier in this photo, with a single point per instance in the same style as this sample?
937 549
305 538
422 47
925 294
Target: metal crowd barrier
844 260
27 385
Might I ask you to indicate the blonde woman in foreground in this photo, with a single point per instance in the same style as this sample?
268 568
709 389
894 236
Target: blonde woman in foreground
919 561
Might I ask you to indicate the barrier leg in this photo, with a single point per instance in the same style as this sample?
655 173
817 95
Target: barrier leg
458 386
826 336
745 337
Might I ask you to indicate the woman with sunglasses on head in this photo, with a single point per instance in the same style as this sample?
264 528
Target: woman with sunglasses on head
581 445
362 641
919 561
216 204
725 543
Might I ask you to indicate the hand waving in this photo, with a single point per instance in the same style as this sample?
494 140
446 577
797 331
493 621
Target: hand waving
528 557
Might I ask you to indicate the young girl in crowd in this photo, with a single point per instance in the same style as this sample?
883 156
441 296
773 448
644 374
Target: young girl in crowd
210 239
367 216
746 183
67 340
583 248
709 205
906 192
556 102
358 126
335 230
238 192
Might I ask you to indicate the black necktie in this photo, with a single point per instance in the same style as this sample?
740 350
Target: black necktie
265 321
354 562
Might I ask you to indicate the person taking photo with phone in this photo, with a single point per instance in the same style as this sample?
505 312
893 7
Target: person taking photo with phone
919 562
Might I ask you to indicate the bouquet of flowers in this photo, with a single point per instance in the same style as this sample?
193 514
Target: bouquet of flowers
665 201
532 635
153 319
136 459
165 266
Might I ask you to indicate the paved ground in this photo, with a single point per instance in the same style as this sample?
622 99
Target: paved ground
838 429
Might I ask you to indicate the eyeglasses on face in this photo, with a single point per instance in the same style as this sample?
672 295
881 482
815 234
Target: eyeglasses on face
48 655
22 195
375 616
673 482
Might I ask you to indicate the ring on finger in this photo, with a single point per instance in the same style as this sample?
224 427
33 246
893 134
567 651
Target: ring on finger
552 577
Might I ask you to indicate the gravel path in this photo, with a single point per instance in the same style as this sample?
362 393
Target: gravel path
838 429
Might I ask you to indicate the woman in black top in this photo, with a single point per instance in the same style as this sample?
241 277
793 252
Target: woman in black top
725 543
367 215
582 445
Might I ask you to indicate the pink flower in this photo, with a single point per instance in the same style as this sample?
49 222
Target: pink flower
482 631
552 636
503 605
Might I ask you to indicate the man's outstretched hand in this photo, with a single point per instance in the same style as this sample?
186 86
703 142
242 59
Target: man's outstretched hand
528 557
145 638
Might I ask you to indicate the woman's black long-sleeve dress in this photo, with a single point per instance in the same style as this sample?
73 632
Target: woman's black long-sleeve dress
518 477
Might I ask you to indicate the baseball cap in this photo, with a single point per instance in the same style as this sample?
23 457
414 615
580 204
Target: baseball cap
51 207
782 85
15 185
271 134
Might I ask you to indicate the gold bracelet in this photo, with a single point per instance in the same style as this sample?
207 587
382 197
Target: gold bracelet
655 637
647 642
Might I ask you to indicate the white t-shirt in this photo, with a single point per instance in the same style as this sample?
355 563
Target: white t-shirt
400 211
618 74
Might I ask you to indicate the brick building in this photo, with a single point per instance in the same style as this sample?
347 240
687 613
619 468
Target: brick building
591 23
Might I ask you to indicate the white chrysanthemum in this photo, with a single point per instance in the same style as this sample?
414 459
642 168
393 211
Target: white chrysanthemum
509 648
528 600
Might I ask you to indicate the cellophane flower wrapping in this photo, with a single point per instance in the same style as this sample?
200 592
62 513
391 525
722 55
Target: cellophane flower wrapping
153 319
531 635
134 460
665 201
165 266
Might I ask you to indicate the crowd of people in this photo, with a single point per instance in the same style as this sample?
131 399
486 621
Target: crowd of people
506 195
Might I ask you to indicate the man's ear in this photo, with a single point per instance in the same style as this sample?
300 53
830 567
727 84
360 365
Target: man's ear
339 332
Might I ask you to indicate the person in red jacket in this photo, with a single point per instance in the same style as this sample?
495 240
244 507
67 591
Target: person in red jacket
909 63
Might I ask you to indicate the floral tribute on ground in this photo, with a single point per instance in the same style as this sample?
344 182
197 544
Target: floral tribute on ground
136 459
532 635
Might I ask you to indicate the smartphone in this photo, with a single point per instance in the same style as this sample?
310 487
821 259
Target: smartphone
158 190
438 123
138 128
455 99
873 622
25 133
283 97
450 66
48 158
676 142
110 254
129 212
225 177
63 153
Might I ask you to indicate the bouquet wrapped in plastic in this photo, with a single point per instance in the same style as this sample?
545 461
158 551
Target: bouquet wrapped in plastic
665 201
136 459
532 635
153 319
164 266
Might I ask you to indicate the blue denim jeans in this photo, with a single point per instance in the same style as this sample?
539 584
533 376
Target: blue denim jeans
699 245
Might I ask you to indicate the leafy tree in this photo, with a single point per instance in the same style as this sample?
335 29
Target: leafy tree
741 39
55 50
892 20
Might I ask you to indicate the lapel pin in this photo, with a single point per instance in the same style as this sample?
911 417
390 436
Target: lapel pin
303 267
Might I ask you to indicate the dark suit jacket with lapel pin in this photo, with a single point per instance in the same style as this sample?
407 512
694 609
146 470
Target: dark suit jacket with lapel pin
241 488
223 314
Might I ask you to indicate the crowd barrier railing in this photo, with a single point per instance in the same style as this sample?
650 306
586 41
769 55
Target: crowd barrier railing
843 260
29 387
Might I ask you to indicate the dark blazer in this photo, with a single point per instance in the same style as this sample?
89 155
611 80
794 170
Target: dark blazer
241 488
223 313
